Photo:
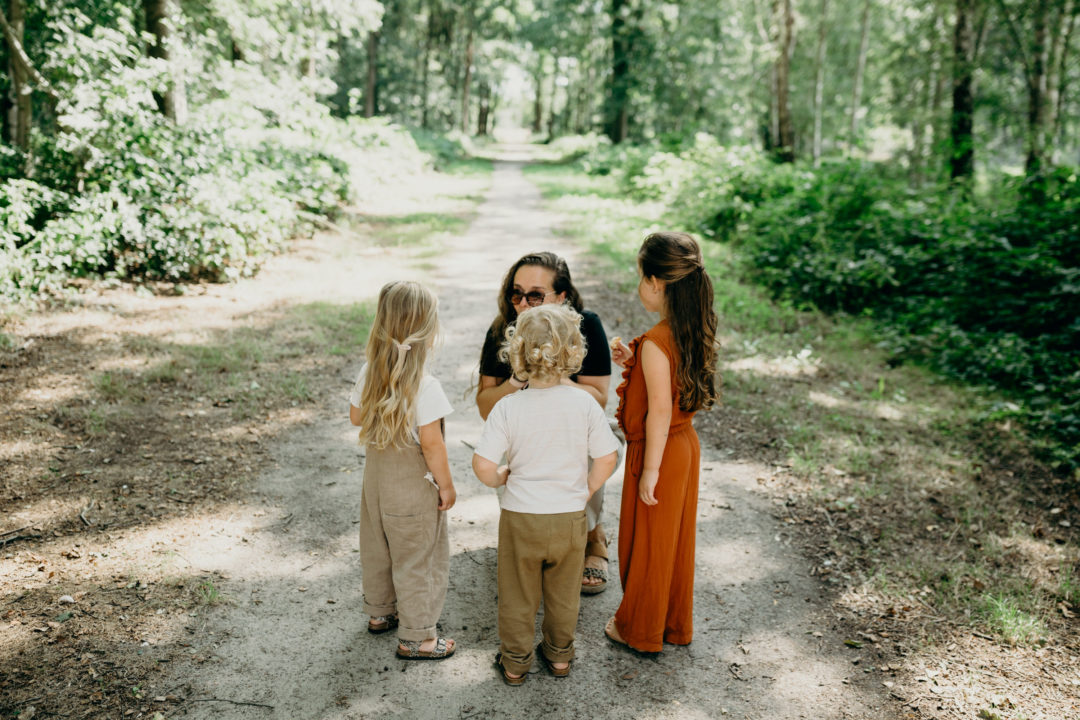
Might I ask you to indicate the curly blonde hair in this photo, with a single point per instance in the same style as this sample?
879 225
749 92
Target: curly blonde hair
545 344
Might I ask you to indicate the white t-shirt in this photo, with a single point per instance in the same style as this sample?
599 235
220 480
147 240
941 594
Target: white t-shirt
431 401
548 436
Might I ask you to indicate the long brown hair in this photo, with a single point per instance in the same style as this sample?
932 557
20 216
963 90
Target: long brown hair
561 283
675 258
406 324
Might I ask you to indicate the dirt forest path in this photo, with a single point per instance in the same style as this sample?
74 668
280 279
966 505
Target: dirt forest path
291 643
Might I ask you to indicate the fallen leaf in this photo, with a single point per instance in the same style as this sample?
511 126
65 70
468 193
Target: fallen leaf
853 643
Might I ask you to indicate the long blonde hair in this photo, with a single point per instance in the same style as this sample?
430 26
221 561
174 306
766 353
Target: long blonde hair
406 323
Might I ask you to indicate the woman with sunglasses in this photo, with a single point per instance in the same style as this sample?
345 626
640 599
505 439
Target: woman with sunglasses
538 279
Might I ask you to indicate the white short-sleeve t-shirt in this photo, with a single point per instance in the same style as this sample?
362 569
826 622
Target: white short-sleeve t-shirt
431 402
548 436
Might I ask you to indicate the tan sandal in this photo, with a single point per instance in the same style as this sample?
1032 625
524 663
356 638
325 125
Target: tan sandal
382 623
410 649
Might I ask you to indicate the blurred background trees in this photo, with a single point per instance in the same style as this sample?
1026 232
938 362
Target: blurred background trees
910 161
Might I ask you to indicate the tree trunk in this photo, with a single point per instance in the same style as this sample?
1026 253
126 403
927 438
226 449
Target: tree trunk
1068 26
819 80
860 71
21 110
1037 92
468 78
551 98
425 117
538 102
962 148
483 97
172 101
785 150
1057 68
371 84
619 104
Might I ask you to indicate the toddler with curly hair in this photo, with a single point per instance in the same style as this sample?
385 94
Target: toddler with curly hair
548 432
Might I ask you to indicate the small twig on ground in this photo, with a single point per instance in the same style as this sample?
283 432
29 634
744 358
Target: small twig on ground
16 538
14 532
984 637
82 513
468 445
234 702
470 556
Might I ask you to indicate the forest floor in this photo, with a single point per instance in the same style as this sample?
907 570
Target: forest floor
180 498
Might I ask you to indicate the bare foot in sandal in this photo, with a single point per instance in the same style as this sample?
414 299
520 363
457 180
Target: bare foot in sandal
594 577
430 649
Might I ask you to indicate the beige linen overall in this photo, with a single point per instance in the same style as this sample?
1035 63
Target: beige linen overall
404 547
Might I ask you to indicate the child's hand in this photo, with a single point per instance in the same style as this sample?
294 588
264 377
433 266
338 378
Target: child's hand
447 497
647 486
503 474
620 352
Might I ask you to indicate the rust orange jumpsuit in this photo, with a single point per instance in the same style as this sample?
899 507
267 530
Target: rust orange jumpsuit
656 543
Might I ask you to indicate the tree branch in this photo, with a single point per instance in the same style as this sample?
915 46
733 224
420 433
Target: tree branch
20 55
1015 34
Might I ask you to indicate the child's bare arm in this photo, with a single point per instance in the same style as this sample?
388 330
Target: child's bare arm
433 446
657 371
354 414
488 472
601 470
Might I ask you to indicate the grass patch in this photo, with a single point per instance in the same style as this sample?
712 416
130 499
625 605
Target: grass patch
408 230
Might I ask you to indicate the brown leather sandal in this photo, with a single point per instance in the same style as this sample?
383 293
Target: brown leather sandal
507 677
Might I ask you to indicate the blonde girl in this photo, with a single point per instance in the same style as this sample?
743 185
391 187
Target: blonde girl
404 548
669 374
547 431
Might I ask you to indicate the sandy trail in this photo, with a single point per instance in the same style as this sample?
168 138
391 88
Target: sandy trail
292 640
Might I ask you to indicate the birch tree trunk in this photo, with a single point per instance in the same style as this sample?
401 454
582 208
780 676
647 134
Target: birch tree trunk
819 81
860 71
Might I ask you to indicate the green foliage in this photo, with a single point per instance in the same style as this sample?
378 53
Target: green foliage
118 190
986 289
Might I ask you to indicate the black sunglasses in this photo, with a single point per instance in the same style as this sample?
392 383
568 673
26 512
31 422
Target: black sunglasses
533 298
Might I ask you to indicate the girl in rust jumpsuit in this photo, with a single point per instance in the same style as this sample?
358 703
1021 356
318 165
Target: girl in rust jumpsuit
668 376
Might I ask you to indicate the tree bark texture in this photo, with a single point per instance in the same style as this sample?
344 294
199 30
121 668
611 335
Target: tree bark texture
469 40
538 101
425 74
171 101
371 84
21 107
819 80
1038 106
962 148
860 71
785 150
621 47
